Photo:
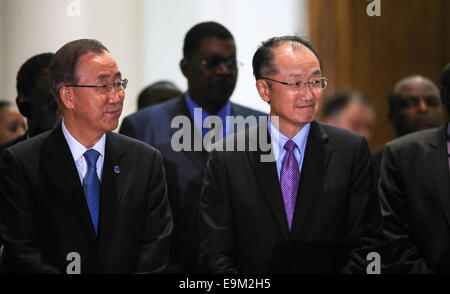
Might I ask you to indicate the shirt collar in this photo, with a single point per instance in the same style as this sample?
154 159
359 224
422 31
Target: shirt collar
278 139
77 149
224 111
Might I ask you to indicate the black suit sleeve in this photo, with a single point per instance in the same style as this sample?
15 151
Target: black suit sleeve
216 223
127 128
364 222
17 220
154 252
404 255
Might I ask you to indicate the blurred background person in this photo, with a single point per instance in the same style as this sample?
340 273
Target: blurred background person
12 124
414 192
210 66
156 93
351 110
34 99
414 105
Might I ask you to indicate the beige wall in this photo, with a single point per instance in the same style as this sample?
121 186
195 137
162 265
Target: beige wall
144 36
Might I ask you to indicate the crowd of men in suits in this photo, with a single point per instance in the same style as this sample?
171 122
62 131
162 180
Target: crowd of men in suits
316 201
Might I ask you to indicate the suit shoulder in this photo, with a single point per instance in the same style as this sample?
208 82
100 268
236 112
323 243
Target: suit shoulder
30 145
416 138
133 144
245 111
341 135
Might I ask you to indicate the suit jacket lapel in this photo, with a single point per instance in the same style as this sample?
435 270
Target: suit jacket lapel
437 162
315 161
113 180
59 168
266 173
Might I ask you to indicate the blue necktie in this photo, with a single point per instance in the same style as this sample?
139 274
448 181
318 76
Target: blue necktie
91 185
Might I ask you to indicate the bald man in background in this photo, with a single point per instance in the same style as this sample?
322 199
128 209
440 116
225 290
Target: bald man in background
414 105
414 191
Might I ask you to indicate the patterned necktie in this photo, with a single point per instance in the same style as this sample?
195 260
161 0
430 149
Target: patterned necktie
289 180
91 185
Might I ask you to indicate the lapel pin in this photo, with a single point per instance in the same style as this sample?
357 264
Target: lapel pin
117 169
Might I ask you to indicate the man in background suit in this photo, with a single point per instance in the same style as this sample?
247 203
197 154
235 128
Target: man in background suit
210 66
414 190
80 198
312 208
414 105
34 99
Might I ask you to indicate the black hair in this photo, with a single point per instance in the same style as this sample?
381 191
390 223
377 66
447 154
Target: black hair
201 31
263 57
340 100
63 66
157 92
26 77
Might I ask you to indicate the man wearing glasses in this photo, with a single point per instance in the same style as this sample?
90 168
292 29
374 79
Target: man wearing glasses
313 207
210 66
79 198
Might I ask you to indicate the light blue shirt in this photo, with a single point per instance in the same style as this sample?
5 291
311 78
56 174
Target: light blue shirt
223 113
278 140
77 149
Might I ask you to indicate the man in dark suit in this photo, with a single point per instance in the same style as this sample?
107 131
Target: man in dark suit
210 66
414 105
415 189
311 208
80 198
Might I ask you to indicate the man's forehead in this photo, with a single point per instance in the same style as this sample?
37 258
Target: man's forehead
296 59
417 86
100 65
211 45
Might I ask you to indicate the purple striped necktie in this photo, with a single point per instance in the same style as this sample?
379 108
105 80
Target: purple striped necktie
289 180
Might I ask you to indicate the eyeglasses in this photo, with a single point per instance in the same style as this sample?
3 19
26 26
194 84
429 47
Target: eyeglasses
314 83
118 85
214 63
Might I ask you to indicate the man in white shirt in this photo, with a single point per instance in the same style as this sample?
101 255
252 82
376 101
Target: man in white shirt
80 198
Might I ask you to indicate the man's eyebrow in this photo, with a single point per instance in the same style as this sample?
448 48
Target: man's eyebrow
104 76
317 72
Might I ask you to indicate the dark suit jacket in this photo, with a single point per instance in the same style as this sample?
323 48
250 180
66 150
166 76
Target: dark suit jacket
184 169
3 146
44 214
376 159
10 143
337 218
415 195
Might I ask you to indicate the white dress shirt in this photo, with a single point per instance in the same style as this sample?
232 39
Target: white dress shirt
77 149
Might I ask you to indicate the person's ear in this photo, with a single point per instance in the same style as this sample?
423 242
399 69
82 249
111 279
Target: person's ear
184 67
23 103
66 95
263 90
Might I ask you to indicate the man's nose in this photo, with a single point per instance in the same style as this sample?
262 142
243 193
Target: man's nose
114 96
423 105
